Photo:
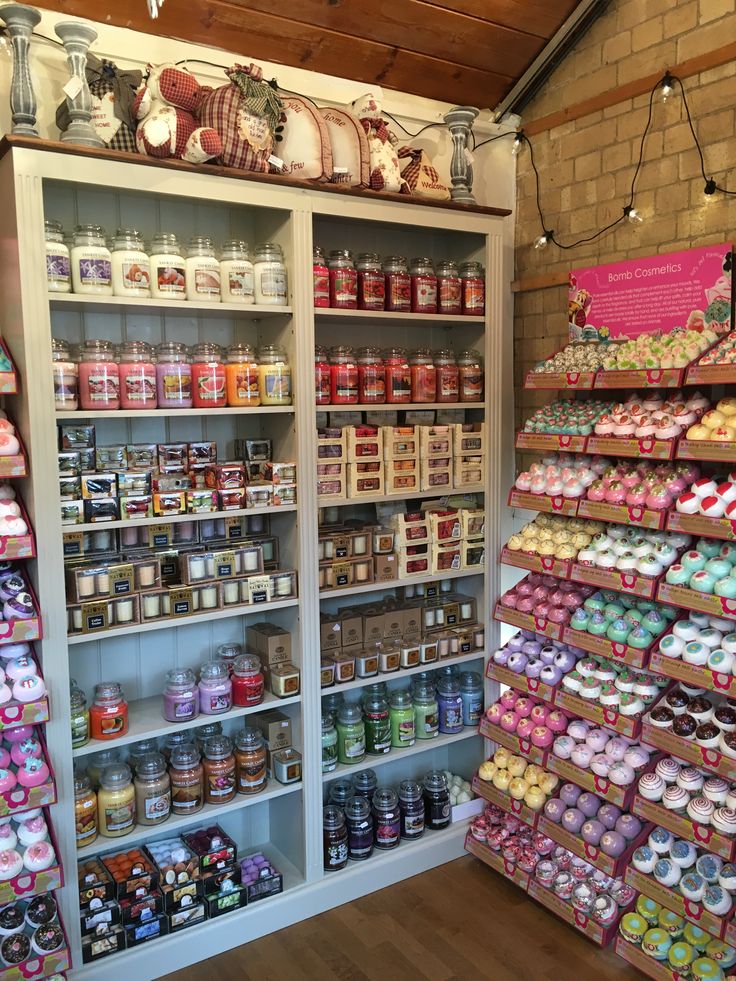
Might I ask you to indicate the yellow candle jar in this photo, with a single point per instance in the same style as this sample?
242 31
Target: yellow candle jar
274 375
116 801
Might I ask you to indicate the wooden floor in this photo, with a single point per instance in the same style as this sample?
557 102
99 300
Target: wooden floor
460 922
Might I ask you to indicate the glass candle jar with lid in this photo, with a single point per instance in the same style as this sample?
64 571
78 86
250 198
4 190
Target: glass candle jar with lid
247 680
449 288
131 267
335 839
371 282
97 763
426 710
99 376
377 721
350 734
85 811
450 704
473 286
215 688
340 792
236 273
411 807
423 286
448 376
471 693
173 740
203 271
275 375
365 784
398 375
250 761
108 715
168 268
219 770
209 389
173 376
137 376
343 376
181 695
79 717
271 287
332 702
58 271
116 801
329 742
401 714
398 284
205 732
320 278
187 779
470 372
371 376
65 372
241 374
139 750
321 376
386 818
91 261
152 790
229 654
436 801
423 376
359 821
343 280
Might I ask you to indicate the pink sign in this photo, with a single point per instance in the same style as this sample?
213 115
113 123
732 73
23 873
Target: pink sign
653 294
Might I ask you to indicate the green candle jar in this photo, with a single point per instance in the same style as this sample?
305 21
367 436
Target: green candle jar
350 734
401 713
426 711
79 718
329 742
376 721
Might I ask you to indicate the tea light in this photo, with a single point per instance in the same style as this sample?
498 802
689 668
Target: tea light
360 544
197 568
283 585
466 611
479 638
410 592
321 578
256 524
328 576
85 586
146 575
445 586
321 549
244 591
329 548
151 606
76 619
101 539
238 568
219 528
103 583
129 536
331 515
250 560
443 646
208 597
231 593
123 611
454 644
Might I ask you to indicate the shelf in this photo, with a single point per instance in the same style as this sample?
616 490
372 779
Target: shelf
399 407
139 628
704 835
402 496
693 674
372 587
675 901
210 812
512 742
392 317
401 673
181 308
700 524
691 599
147 722
260 410
495 861
420 746
176 519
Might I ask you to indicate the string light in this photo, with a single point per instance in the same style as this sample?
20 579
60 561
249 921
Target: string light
153 8
710 187
518 143
667 84
544 239
633 215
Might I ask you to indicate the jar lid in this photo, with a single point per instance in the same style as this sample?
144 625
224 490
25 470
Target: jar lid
115 776
235 245
341 254
206 352
165 238
104 757
185 756
349 714
394 260
332 702
369 257
82 783
214 671
108 690
423 691
318 252
200 245
59 349
51 225
241 352
175 739
409 790
210 729
375 700
96 230
266 248
400 698
217 747
471 267
435 781
357 809
341 790
332 817
385 799
135 348
170 347
99 347
271 351
151 765
448 686
247 664
182 677
328 720
444 355
143 747
131 234
366 781
248 739
377 688
422 260
447 266
77 698
470 680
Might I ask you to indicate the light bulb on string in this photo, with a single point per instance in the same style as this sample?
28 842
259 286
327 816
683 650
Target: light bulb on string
544 239
518 143
710 187
633 215
667 86
153 8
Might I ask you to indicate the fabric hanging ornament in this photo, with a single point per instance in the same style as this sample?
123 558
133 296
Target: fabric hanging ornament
113 94
420 175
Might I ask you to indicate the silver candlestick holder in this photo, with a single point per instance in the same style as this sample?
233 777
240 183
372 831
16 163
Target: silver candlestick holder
76 36
20 21
460 123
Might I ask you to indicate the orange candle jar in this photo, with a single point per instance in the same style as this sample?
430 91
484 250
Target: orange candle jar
423 376
208 377
108 715
241 373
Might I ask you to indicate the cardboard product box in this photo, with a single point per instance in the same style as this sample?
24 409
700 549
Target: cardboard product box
95 882
102 943
364 443
271 642
331 445
366 478
113 457
276 728
101 509
99 916
400 442
142 456
70 464
145 930
226 901
74 437
447 558
331 481
469 470
330 633
351 629
134 508
70 487
278 472
173 457
131 878
414 560
438 477
214 848
393 623
412 618
134 909
469 437
444 524
373 627
72 512
187 915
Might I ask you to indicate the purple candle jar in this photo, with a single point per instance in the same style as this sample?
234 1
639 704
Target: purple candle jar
215 688
181 696
450 705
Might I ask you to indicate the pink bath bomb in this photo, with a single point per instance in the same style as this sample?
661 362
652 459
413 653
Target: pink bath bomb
542 737
508 698
523 706
494 713
509 721
557 721
525 728
540 714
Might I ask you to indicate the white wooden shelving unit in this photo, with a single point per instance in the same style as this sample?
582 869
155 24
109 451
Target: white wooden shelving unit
285 822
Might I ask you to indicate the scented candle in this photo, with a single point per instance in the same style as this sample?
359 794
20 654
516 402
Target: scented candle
371 376
58 271
270 275
359 822
350 734
203 271
91 261
423 286
219 770
137 376
423 376
215 688
99 377
173 376
321 376
250 761
436 801
241 374
343 376
208 377
371 282
247 680
401 716
411 808
320 278
152 790
450 704
187 780
108 715
398 284
470 376
473 283
131 268
65 373
116 801
181 695
386 818
168 268
471 693
398 375
274 375
343 280
449 289
448 377
85 811
377 721
426 711
79 717
335 839
329 742
236 273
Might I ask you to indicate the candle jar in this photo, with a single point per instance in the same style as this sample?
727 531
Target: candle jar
423 286
209 389
174 740
236 273
215 688
79 718
383 541
376 721
343 376
58 271
398 375
450 704
359 821
116 801
269 271
219 770
343 280
131 268
350 734
320 278
423 376
229 654
247 680
471 693
250 761
365 784
139 750
401 714
436 801
65 373
386 818
187 779
152 790
470 376
137 376
449 289
411 808
274 375
99 376
85 811
371 376
241 375
371 282
168 268
203 271
473 287
173 376
91 261
340 793
332 702
108 715
98 762
321 376
448 377
426 711
398 284
181 695
335 839
329 742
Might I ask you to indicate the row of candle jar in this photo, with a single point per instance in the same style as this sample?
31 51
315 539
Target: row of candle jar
124 267
343 376
159 789
134 376
368 283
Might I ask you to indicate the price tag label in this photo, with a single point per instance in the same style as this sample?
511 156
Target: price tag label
160 536
224 564
94 616
122 580
235 528
181 603
259 589
73 544
341 546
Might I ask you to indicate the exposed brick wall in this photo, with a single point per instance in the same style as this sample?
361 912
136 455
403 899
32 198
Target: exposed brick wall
586 166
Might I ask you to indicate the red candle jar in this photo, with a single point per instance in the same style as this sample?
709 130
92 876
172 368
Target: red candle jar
371 282
423 376
371 377
448 376
321 278
471 376
472 277
108 715
343 280
321 376
398 375
398 284
343 376
248 683
209 388
99 376
423 287
137 376
449 289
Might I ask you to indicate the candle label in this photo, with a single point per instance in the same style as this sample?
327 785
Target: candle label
121 580
160 536
234 528
341 574
73 544
259 589
94 616
341 547
224 565
181 601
